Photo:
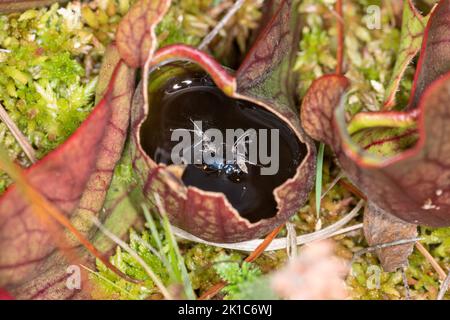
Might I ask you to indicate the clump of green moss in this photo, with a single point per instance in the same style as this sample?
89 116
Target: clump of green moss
237 275
189 21
315 57
370 56
102 17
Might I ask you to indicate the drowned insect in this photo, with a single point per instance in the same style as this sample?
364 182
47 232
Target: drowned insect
212 152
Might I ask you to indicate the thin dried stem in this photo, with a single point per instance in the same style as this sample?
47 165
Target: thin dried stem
291 241
406 284
18 135
332 185
111 283
340 38
214 290
280 243
210 36
263 246
156 280
351 188
431 260
45 210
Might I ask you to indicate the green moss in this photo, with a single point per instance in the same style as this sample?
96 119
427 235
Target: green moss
172 30
368 281
239 276
41 77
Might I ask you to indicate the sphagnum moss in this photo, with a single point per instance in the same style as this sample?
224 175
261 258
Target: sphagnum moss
370 58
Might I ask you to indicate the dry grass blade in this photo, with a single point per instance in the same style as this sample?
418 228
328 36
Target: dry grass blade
332 185
111 283
382 246
135 37
444 288
405 284
263 246
431 260
252 257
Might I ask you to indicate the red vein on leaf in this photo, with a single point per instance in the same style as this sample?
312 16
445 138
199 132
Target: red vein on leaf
151 51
